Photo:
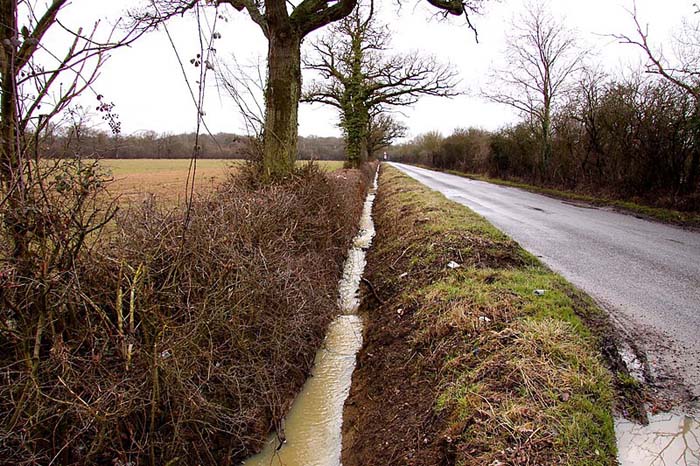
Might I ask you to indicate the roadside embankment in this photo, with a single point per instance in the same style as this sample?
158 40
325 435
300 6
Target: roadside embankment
636 207
475 353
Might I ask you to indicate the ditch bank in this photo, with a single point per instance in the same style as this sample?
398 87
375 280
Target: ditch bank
475 353
158 347
311 433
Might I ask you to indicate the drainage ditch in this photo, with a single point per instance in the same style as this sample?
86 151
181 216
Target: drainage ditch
312 433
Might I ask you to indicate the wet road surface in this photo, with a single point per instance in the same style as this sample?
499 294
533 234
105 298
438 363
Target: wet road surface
646 274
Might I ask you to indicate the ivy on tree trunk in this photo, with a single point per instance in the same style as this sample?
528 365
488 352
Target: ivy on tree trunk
363 82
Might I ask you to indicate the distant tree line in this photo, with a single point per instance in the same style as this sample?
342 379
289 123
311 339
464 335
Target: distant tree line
73 141
632 138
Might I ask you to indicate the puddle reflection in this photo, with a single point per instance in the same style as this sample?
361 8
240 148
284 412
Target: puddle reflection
669 439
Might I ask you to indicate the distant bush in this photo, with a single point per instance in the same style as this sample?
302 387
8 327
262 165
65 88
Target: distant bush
514 150
420 151
631 139
465 149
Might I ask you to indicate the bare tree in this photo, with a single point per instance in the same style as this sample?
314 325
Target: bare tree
682 71
362 81
285 24
585 109
382 131
39 82
542 59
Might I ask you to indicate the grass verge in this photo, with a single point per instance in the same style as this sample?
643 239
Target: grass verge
675 217
469 365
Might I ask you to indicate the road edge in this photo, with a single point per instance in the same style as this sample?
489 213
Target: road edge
411 309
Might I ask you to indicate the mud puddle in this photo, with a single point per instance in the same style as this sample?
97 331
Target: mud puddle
669 439
633 363
313 427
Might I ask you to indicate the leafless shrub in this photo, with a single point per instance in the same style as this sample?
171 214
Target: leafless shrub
151 348
465 149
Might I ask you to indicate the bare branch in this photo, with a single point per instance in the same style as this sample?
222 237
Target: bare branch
363 82
677 76
542 61
246 88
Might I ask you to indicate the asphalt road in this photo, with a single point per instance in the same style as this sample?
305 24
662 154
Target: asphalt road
646 274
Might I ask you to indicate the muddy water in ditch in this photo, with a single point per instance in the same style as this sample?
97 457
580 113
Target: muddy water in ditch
314 423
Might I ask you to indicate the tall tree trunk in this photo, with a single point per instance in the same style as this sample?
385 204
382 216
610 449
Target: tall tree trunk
356 115
364 147
546 141
355 128
282 104
8 101
11 169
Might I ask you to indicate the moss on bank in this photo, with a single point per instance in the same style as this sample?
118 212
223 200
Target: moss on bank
469 365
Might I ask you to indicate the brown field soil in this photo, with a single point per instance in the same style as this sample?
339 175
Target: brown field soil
137 180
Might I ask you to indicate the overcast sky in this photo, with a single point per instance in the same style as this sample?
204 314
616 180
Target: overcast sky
147 85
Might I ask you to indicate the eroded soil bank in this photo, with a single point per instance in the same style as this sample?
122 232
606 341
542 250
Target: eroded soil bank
474 352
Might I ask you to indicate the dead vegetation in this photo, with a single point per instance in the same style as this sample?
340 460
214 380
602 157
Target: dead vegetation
179 338
467 365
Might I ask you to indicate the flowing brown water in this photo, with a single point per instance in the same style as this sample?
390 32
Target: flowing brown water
314 424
